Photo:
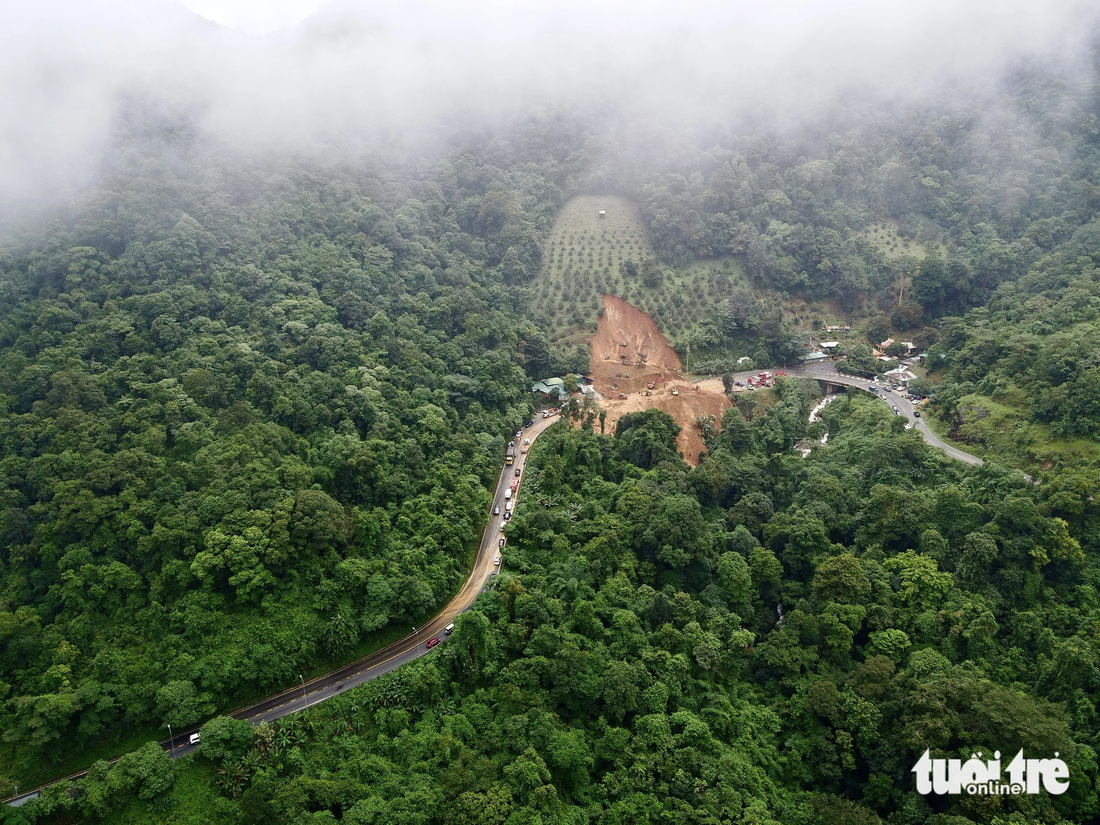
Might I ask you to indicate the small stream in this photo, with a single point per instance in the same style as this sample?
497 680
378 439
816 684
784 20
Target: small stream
815 415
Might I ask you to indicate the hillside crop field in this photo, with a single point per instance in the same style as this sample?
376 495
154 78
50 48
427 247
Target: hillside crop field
585 257
588 256
893 243
273 394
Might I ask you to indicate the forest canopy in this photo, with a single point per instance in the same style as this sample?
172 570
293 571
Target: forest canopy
253 409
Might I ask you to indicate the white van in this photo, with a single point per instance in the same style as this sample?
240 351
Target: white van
508 494
193 739
449 628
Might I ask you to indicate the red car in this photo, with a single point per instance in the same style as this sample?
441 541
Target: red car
432 643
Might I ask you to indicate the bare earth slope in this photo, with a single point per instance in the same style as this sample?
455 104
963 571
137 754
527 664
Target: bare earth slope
628 354
622 324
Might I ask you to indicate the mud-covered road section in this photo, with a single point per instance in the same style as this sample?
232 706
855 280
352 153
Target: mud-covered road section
629 353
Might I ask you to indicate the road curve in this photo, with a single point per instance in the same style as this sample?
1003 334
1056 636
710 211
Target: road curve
824 372
384 659
404 650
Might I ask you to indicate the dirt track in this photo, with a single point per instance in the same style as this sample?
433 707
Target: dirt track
647 358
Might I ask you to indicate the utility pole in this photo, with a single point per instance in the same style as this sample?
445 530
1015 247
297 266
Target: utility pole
171 742
303 681
417 632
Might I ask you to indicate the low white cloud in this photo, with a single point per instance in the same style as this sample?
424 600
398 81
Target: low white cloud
353 69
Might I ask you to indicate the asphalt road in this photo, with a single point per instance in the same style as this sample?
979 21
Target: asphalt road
391 656
825 372
404 650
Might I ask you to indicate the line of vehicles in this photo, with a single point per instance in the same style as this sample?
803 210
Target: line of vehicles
510 456
515 452
764 379
876 389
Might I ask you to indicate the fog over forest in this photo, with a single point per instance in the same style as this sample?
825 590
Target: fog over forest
296 323
362 71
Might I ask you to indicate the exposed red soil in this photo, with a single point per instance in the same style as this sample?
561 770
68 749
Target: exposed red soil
619 369
624 331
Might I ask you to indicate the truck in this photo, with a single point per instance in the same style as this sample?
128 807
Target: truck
510 456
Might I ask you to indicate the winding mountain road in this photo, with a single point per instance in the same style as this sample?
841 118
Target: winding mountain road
404 650
823 372
385 659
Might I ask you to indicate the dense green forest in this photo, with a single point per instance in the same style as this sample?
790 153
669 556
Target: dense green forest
248 419
979 185
253 407
759 639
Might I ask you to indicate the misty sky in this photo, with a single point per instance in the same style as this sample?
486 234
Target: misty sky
291 72
255 15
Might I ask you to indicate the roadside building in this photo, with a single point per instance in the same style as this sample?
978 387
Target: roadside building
899 374
554 387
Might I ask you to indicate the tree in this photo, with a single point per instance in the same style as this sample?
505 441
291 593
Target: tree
907 315
147 772
180 705
645 438
652 273
921 387
224 740
841 579
735 576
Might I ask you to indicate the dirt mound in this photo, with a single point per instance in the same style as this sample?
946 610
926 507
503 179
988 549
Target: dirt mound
619 370
683 407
